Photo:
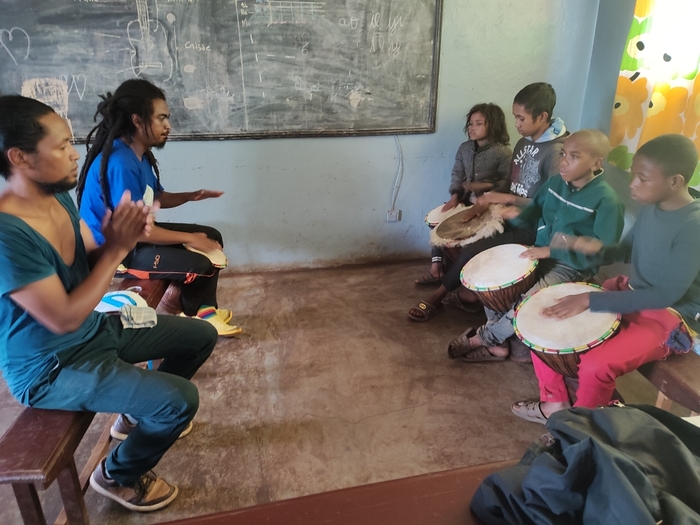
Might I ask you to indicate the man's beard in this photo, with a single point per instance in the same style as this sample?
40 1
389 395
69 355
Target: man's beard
52 188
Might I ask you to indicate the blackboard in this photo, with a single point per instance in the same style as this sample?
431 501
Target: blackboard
233 68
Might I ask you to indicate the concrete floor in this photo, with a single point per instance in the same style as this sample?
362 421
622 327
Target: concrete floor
330 386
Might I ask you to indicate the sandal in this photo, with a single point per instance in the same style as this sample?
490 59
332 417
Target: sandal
428 279
481 355
529 411
460 347
426 311
453 300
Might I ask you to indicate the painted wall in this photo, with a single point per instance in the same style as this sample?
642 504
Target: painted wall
614 20
293 203
316 202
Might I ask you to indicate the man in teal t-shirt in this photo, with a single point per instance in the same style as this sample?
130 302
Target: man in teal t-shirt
56 352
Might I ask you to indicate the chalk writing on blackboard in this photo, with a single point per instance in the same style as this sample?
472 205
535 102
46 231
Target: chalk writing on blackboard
233 68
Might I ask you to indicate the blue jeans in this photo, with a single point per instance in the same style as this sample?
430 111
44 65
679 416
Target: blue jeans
100 376
499 325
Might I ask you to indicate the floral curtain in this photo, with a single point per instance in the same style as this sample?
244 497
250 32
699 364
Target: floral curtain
658 90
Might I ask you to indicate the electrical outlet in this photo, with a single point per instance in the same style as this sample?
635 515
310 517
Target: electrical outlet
393 215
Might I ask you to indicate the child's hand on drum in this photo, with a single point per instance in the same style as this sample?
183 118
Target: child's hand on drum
475 211
454 200
568 306
509 212
536 253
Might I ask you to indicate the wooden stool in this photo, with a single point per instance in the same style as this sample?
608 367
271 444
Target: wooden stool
440 498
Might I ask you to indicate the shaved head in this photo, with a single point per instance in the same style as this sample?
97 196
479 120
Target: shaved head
594 141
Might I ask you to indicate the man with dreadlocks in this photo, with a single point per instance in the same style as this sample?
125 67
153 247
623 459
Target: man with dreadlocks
135 119
56 351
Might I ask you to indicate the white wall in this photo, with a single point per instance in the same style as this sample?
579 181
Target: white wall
317 202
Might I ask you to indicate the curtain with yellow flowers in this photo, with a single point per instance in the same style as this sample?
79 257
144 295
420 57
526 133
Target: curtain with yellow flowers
658 90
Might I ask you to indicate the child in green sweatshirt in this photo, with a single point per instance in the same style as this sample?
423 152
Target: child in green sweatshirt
576 202
659 303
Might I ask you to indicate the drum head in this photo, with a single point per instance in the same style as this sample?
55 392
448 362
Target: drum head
453 231
436 215
497 267
546 334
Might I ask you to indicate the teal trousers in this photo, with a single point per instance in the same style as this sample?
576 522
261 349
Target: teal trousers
99 376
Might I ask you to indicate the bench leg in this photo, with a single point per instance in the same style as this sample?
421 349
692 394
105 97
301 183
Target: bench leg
663 402
72 495
29 504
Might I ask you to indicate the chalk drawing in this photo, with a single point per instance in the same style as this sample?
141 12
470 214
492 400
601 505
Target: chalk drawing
10 38
282 12
149 45
51 91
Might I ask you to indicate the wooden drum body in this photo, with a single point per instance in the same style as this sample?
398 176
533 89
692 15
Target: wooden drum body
498 276
560 343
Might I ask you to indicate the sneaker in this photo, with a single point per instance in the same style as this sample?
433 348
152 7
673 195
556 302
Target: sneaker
149 493
122 426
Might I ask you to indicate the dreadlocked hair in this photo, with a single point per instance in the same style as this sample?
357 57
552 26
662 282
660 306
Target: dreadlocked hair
133 97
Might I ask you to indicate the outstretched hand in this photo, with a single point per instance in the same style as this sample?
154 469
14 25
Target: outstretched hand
584 245
201 195
568 306
123 227
493 197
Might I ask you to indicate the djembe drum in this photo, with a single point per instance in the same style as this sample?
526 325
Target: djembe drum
560 342
498 276
436 215
461 229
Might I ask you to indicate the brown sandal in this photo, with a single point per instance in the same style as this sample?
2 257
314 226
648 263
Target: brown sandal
460 347
426 311
481 355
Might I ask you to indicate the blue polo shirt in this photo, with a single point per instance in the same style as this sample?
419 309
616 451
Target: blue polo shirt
28 350
124 172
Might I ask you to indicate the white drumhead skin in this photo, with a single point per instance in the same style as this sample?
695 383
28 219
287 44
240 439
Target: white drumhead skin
436 215
497 266
561 334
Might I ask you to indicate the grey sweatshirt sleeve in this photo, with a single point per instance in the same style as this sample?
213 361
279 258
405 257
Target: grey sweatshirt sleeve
673 282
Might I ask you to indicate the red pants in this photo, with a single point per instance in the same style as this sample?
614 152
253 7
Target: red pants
641 339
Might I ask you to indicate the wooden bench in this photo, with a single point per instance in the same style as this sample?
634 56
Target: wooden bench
440 498
40 446
677 378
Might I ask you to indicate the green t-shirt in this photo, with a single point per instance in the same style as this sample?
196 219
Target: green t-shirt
28 350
